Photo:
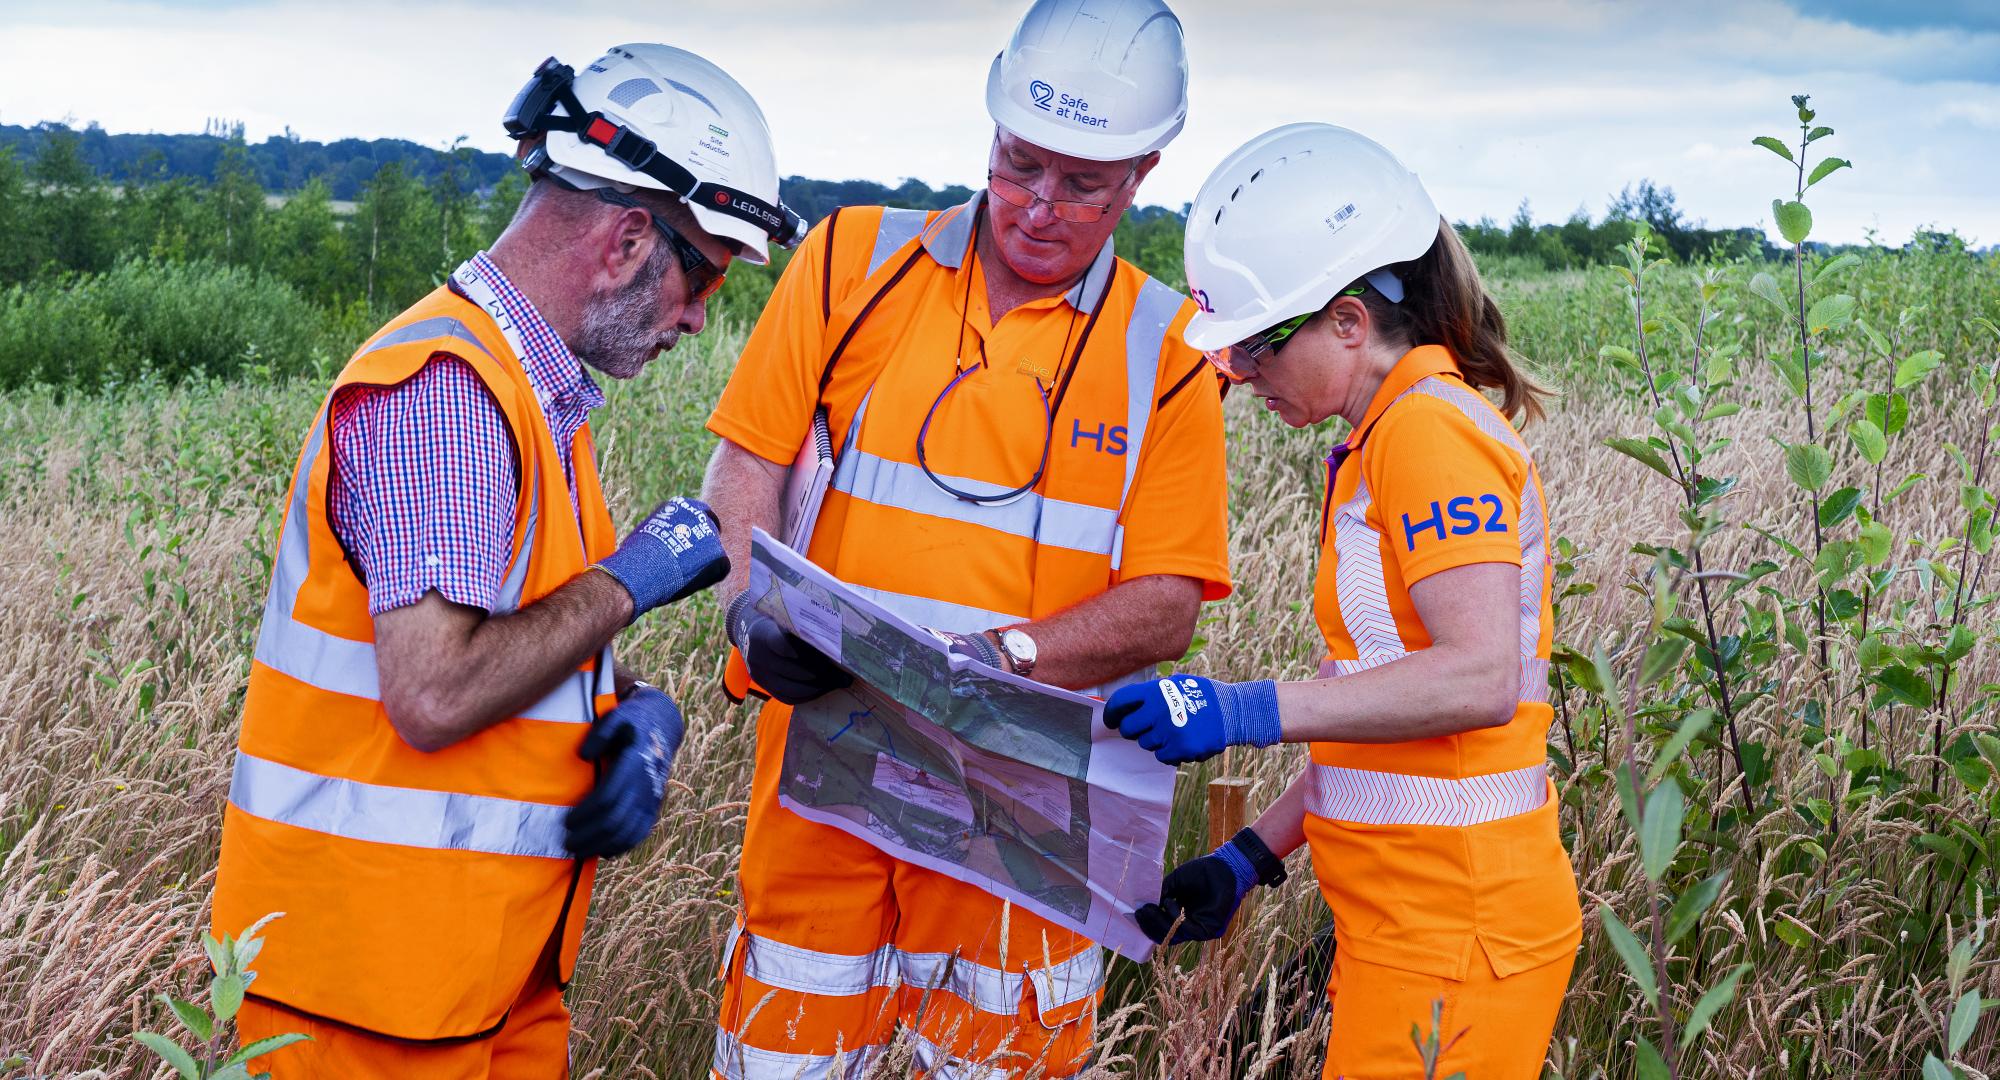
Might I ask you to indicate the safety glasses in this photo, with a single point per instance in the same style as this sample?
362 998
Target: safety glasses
703 277
1013 193
1240 362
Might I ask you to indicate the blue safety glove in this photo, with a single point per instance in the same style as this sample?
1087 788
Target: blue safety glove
1203 894
634 746
676 552
783 663
1189 718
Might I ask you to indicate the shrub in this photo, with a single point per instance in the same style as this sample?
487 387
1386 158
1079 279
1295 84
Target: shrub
176 319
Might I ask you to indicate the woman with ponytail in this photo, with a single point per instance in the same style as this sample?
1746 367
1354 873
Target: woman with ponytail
1330 286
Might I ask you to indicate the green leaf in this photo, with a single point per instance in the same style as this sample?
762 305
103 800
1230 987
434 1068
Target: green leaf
1818 133
1917 368
1651 1065
1937 1070
1901 686
1792 934
1964 1017
1642 452
1830 311
181 1060
1875 542
1838 507
264 1046
218 953
1688 909
1794 220
1890 412
1791 368
1809 465
1766 286
1721 409
192 1017
1691 728
1661 658
1637 963
1868 439
1826 168
1835 266
1722 993
1622 356
1660 836
1776 147
1958 643
226 996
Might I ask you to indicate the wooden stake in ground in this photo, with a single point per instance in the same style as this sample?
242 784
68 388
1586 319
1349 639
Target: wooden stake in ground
1228 807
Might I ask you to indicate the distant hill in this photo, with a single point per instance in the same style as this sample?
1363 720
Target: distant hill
284 164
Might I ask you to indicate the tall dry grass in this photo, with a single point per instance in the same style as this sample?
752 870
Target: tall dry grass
138 523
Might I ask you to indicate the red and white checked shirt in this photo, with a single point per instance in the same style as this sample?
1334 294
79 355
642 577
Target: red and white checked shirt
425 474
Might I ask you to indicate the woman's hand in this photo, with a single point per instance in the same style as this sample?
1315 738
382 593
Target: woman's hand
1189 718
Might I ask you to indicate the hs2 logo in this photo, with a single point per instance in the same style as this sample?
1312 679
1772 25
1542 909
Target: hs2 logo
1464 519
1104 440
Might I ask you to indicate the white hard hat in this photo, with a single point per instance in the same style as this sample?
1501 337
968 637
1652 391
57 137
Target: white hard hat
1291 218
653 116
1104 80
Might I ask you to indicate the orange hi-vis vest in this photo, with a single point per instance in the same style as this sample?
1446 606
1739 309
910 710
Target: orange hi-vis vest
1059 544
1426 850
419 889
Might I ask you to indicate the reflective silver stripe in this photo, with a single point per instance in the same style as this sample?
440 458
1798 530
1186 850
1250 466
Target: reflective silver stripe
411 817
1069 981
1361 589
988 989
735 1060
1531 530
1077 526
437 326
1145 334
938 1065
1382 798
344 666
341 666
947 238
1534 673
809 971
898 227
939 614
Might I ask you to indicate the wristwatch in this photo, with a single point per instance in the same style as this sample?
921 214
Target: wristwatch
1020 650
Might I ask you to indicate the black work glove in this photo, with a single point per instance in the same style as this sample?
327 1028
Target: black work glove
783 663
1204 893
635 745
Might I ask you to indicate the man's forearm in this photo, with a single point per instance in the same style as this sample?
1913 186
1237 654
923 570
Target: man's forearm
1147 620
744 491
449 672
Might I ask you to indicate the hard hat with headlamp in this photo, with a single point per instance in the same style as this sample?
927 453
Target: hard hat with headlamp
653 116
1292 218
1104 80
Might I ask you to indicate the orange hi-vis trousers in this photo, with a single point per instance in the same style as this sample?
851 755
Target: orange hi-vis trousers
1502 1026
533 1044
839 945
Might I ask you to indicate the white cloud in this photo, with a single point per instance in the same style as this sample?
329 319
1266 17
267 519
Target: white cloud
1559 101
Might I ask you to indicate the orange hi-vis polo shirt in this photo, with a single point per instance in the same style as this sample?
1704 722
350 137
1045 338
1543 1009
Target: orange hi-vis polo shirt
1135 481
1430 849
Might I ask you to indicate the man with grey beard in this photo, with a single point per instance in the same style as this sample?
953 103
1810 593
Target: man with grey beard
437 748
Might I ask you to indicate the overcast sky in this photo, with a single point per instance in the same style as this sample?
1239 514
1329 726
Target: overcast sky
1558 101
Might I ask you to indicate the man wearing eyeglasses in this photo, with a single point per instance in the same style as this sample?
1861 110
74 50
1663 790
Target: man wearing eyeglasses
1031 462
436 747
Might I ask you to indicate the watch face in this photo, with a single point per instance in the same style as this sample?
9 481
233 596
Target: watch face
1019 646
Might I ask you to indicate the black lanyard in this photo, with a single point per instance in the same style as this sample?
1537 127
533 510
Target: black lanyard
1049 406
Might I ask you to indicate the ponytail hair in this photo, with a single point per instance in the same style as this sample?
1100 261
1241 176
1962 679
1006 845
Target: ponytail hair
1445 303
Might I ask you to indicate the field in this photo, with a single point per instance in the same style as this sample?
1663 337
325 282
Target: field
1835 813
